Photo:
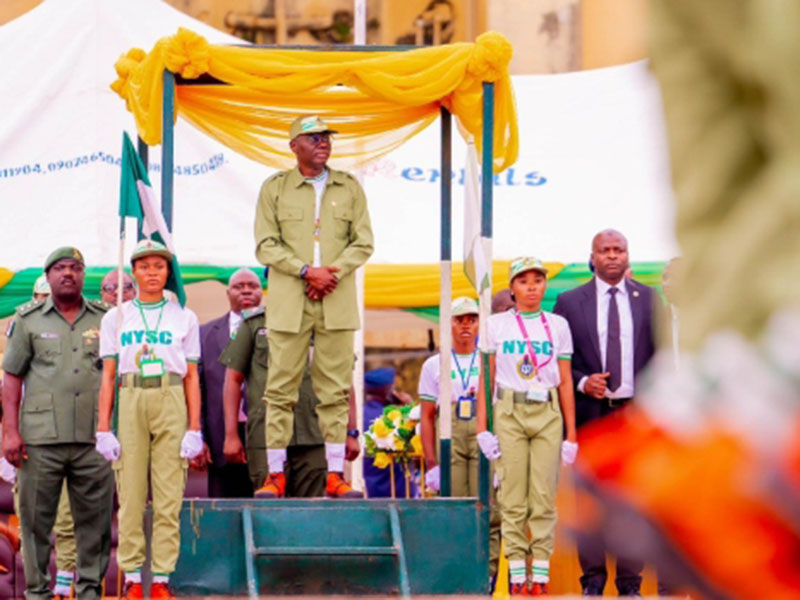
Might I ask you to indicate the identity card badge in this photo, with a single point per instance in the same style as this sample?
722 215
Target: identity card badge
465 408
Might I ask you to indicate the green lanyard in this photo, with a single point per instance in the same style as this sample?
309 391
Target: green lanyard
144 320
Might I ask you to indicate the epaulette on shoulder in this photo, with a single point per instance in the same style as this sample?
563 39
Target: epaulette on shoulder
251 313
29 307
101 305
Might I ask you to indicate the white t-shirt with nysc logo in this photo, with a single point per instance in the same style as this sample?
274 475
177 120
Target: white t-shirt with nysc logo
168 332
513 364
429 377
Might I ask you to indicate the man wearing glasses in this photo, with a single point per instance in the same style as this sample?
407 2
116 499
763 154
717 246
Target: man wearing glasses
312 230
108 287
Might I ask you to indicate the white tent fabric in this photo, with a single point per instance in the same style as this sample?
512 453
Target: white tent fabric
593 155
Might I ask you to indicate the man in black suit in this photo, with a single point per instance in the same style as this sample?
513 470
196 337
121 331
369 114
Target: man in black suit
225 480
611 320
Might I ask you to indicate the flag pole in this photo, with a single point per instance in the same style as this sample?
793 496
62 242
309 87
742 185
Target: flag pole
117 341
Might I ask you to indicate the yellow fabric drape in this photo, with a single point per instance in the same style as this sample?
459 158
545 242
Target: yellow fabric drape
412 286
376 100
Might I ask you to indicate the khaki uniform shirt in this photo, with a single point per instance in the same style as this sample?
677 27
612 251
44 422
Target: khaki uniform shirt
248 353
284 232
61 367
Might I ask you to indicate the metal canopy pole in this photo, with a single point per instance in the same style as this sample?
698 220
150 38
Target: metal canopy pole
445 341
487 181
167 146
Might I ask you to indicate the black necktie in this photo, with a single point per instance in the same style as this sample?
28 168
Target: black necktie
613 344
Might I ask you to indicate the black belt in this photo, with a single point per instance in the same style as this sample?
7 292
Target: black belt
617 402
136 380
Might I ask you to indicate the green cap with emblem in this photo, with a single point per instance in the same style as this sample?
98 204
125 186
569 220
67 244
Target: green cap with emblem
148 247
308 124
464 306
65 252
525 263
41 286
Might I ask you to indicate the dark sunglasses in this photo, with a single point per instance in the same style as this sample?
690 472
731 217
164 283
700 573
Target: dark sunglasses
318 138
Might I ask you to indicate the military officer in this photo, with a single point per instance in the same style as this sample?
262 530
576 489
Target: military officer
53 349
312 230
246 360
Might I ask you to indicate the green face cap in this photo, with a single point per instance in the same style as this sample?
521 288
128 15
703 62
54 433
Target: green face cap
41 286
464 306
65 252
150 248
309 124
523 264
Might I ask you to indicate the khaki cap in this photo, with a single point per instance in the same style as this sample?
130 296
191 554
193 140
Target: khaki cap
308 124
464 306
525 263
149 247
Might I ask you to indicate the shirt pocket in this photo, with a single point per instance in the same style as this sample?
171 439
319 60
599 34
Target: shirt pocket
91 353
262 350
290 221
38 417
343 221
47 354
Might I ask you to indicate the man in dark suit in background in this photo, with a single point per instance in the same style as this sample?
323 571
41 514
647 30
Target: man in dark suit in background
611 319
225 480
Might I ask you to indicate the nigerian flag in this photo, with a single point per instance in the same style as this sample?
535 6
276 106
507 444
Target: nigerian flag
137 200
475 262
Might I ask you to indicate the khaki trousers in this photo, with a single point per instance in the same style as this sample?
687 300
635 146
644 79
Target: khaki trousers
64 530
331 377
530 441
152 422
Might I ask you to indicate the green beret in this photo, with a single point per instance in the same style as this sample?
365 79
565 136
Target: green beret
69 252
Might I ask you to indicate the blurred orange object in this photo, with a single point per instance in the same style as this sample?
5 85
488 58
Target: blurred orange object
709 498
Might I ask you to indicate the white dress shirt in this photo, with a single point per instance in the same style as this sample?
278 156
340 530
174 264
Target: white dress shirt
625 390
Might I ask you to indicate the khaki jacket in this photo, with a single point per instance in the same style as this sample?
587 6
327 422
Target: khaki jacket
284 232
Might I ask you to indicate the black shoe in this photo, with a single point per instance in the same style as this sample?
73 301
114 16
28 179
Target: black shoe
631 592
592 591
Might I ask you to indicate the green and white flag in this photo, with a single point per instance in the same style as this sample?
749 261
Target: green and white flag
137 200
474 258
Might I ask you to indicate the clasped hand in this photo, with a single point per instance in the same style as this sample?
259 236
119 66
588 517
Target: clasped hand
320 281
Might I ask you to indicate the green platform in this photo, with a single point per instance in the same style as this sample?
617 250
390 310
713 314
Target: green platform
324 546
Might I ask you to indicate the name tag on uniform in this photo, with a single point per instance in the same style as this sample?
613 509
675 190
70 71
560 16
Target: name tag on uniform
537 393
151 368
465 408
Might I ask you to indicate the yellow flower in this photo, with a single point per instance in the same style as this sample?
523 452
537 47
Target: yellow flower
399 444
380 428
382 460
416 444
395 416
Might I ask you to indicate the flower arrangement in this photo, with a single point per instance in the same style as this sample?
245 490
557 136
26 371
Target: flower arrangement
394 436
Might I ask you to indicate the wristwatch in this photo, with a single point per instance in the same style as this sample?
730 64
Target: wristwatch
353 433
303 272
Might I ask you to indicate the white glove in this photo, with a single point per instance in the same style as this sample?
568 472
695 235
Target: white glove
569 452
489 444
432 478
192 445
8 472
108 445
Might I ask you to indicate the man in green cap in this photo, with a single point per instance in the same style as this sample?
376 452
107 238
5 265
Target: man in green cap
53 349
312 230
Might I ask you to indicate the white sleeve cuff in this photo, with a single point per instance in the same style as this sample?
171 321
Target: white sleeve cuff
582 384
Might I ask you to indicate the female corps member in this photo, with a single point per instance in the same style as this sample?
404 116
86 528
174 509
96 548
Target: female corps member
159 346
531 377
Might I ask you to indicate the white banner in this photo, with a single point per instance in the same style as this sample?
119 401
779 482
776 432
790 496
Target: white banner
593 155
